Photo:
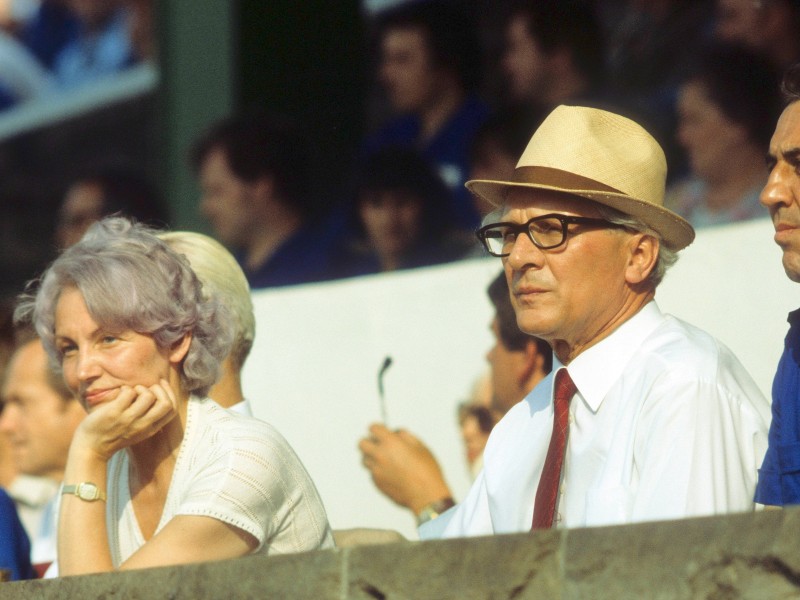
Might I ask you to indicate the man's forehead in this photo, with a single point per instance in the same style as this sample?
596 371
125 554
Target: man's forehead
787 133
539 200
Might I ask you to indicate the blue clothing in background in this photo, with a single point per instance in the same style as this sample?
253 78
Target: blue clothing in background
95 54
779 476
448 150
46 34
304 257
15 548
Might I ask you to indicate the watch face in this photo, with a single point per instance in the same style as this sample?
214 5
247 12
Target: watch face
87 491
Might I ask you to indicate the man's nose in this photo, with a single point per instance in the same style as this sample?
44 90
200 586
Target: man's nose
778 190
524 252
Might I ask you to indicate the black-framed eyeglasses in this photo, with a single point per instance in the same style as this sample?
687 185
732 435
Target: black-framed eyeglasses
546 232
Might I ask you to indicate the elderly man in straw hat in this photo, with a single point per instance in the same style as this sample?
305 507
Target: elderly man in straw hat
644 417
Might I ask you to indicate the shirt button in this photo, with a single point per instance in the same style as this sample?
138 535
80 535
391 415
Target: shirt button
571 418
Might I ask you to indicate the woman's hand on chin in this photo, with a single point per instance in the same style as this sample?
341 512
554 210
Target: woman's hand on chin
136 414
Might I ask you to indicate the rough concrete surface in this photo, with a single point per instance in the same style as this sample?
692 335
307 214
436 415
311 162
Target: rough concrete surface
718 558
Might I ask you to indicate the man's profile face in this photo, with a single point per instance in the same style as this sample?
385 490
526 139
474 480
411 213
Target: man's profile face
573 292
782 192
406 72
226 201
37 420
505 366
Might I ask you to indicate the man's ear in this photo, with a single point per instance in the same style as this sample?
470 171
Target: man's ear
180 349
642 258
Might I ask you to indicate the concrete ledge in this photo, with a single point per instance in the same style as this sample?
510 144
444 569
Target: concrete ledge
739 556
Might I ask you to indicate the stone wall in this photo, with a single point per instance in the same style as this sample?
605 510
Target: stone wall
740 556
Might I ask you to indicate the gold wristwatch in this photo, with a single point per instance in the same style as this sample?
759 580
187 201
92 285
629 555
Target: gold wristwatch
85 490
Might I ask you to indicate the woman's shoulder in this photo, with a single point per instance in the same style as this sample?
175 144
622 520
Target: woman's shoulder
230 430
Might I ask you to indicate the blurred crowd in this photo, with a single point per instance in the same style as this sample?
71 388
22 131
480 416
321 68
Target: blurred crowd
457 87
48 46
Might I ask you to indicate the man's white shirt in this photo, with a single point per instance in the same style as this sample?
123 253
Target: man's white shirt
666 424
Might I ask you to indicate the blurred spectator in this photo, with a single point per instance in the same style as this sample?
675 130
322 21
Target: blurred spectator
428 66
726 111
223 279
105 190
401 217
102 47
8 469
39 416
254 171
22 77
476 420
498 144
403 468
30 494
141 30
14 13
14 544
770 27
554 53
650 45
48 29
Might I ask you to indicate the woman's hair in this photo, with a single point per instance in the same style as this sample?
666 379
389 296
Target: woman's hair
131 280
223 278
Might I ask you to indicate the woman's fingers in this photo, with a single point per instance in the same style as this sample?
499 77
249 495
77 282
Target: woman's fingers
136 414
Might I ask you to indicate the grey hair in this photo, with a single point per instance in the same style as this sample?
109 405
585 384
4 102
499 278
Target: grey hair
666 256
131 280
223 278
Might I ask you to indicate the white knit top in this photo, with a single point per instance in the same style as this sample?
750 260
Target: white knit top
233 468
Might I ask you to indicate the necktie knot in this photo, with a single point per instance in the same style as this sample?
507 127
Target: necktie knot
564 389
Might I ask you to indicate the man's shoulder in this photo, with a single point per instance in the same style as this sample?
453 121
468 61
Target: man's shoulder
682 342
678 354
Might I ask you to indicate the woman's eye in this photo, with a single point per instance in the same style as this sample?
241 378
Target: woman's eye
65 350
109 339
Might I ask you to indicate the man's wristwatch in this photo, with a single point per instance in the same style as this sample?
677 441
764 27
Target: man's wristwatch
434 509
86 490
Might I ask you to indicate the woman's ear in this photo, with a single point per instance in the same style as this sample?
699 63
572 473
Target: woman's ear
180 348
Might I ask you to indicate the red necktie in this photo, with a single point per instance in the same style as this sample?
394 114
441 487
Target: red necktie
544 506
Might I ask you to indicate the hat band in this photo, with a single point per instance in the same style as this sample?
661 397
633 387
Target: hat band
560 179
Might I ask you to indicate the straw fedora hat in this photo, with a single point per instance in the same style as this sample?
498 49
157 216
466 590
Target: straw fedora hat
601 156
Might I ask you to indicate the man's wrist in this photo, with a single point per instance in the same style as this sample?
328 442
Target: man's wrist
434 509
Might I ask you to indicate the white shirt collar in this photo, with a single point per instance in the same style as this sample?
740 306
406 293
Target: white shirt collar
596 369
